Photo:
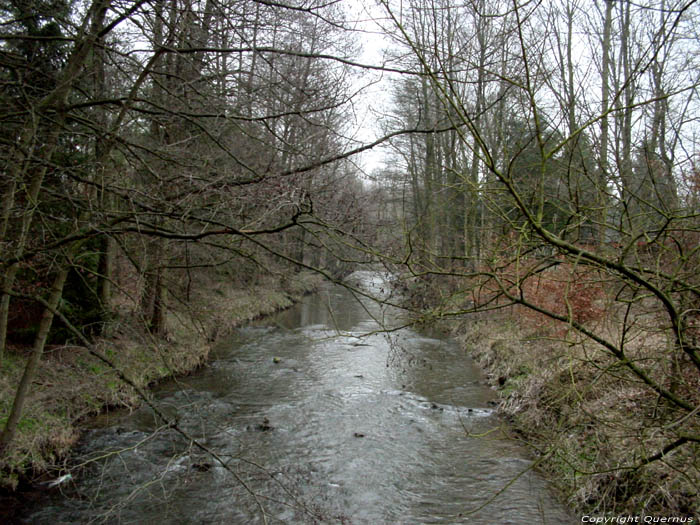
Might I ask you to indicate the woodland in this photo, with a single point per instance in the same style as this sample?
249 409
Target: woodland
539 192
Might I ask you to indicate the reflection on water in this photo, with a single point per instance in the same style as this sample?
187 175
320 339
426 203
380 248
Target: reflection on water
317 416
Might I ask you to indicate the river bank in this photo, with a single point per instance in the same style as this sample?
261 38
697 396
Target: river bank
323 417
72 384
591 425
607 440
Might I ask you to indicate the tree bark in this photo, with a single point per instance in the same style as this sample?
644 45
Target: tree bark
602 179
32 365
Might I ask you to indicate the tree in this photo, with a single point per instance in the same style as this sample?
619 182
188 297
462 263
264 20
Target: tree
580 189
141 140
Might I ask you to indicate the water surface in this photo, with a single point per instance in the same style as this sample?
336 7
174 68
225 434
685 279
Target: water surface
319 417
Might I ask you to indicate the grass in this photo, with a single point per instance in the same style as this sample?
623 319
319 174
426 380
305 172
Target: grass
72 385
564 395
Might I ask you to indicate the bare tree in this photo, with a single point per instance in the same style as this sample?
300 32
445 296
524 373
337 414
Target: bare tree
576 166
134 134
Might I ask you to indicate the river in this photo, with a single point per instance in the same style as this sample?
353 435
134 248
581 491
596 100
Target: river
320 417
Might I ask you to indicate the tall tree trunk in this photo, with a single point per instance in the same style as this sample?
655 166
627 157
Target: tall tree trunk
629 190
106 272
103 176
428 213
473 247
660 165
603 169
152 303
10 429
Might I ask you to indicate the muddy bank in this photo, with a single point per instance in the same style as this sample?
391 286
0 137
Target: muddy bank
72 384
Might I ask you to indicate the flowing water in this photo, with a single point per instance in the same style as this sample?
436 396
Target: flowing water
325 419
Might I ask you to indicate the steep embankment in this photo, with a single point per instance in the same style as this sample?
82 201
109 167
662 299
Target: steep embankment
72 384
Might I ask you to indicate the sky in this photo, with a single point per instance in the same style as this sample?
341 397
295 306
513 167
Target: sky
374 100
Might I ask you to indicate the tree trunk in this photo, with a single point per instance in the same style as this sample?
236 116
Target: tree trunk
602 179
8 280
30 369
106 272
629 193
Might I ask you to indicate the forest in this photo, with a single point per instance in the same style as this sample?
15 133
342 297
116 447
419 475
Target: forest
165 163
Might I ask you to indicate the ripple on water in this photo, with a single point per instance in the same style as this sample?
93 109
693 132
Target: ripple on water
375 427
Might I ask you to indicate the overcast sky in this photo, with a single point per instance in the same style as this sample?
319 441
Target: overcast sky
375 99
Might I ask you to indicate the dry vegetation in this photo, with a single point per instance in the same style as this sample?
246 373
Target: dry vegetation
72 384
604 432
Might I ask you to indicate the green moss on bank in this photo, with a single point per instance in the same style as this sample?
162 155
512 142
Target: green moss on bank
72 384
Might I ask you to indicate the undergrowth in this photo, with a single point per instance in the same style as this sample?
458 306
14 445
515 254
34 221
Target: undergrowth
595 422
601 430
72 384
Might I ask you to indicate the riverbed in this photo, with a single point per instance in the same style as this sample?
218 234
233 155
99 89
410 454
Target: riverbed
326 413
